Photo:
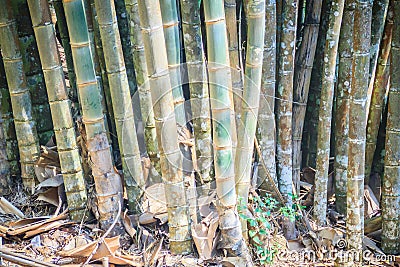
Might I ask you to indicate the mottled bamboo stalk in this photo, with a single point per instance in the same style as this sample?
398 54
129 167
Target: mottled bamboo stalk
8 126
199 96
33 71
143 84
250 104
170 20
342 105
107 182
284 106
381 80
221 107
391 179
302 76
25 126
163 106
325 111
5 172
266 130
357 124
122 103
60 105
63 29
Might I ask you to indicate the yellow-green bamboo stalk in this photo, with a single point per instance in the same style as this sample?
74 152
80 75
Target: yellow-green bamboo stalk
357 124
25 126
302 76
266 131
342 105
199 96
325 111
171 33
143 84
163 106
391 179
122 103
221 107
8 126
33 71
107 182
60 105
381 80
255 12
284 105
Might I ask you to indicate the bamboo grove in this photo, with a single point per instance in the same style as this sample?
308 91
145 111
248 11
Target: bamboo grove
261 89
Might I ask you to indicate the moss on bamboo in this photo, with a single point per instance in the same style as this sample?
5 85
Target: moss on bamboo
25 126
107 182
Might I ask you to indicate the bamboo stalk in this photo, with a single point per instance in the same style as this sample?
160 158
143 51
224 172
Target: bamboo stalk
60 105
25 126
143 84
5 171
357 124
391 179
8 126
381 81
325 111
302 76
342 106
170 155
199 96
221 108
122 103
266 130
284 106
107 182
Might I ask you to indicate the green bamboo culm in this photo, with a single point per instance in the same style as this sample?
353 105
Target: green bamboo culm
8 124
169 14
342 93
122 103
199 96
63 30
357 124
325 111
60 106
33 71
391 179
221 107
25 126
250 104
107 182
5 172
380 86
163 106
143 84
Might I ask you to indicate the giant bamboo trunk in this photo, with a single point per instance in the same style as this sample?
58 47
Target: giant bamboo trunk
250 104
25 126
122 103
325 111
342 105
170 20
391 179
8 124
302 76
199 96
380 85
284 106
221 107
107 182
357 124
143 84
266 130
33 71
60 105
163 106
